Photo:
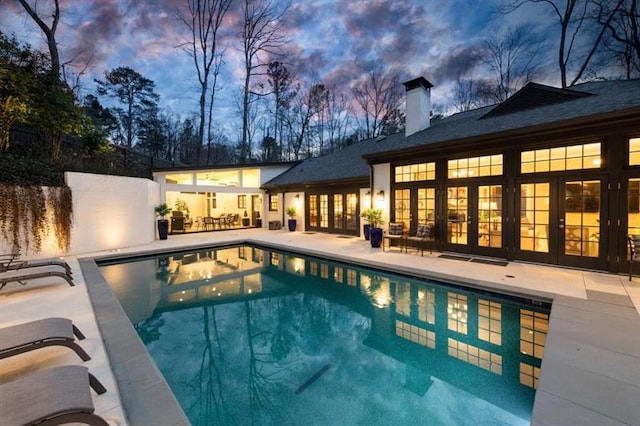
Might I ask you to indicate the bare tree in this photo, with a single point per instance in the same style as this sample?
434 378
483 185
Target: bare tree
301 119
49 31
263 37
319 99
338 118
512 60
281 84
575 28
204 22
377 94
623 37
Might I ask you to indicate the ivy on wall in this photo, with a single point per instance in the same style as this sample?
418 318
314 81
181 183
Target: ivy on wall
24 222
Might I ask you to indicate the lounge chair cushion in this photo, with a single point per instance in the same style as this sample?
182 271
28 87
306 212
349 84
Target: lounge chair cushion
396 228
37 334
423 231
57 393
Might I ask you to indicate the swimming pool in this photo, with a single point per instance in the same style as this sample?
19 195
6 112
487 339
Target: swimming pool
253 335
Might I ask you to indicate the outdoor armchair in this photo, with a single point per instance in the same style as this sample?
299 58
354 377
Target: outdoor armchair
394 233
424 235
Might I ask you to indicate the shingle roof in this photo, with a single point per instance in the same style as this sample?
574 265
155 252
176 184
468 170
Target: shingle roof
348 163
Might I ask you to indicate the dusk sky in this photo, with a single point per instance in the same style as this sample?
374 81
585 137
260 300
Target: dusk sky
332 41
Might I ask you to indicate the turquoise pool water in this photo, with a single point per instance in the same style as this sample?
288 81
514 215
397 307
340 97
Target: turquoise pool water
250 335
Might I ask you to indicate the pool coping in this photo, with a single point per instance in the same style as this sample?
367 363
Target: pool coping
555 401
144 393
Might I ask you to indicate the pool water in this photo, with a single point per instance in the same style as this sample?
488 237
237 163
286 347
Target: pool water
250 335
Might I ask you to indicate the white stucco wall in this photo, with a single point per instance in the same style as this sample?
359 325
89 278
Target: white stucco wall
381 181
111 212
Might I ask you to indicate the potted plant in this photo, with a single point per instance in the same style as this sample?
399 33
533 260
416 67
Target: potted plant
245 219
374 218
163 224
291 212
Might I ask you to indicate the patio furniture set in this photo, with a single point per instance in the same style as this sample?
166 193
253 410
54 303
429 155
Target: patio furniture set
396 235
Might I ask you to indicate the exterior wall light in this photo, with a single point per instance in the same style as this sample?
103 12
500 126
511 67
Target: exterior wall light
381 195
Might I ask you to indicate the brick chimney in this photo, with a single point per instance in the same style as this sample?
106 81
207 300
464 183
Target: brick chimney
418 105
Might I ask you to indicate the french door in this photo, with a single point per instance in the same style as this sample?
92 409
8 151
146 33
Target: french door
560 221
474 219
333 212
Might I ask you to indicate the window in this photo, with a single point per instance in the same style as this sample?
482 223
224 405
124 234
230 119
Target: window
575 157
242 201
634 152
490 321
475 356
415 172
529 375
533 332
416 334
273 202
427 305
489 165
457 312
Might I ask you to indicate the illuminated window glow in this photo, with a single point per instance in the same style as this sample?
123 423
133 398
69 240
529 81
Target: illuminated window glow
415 172
575 157
489 165
490 321
533 332
416 334
475 356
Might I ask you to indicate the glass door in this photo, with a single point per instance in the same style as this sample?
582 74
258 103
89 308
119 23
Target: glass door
338 212
580 224
413 206
345 213
457 215
560 222
533 226
489 236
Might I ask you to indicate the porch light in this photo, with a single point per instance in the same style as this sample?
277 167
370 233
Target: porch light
381 195
367 197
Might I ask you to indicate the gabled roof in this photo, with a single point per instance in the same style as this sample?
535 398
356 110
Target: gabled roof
534 95
531 110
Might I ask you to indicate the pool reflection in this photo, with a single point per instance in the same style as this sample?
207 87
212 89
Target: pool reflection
238 332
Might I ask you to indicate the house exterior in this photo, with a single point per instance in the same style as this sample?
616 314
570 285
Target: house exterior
550 175
213 192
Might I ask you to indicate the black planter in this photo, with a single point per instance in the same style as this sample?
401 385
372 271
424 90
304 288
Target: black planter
163 228
375 237
365 229
292 224
245 221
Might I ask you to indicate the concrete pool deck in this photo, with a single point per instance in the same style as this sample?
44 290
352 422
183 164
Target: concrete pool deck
590 371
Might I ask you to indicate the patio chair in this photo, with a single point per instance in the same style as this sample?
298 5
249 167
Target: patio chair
53 396
23 278
21 338
394 233
10 262
424 235
634 252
